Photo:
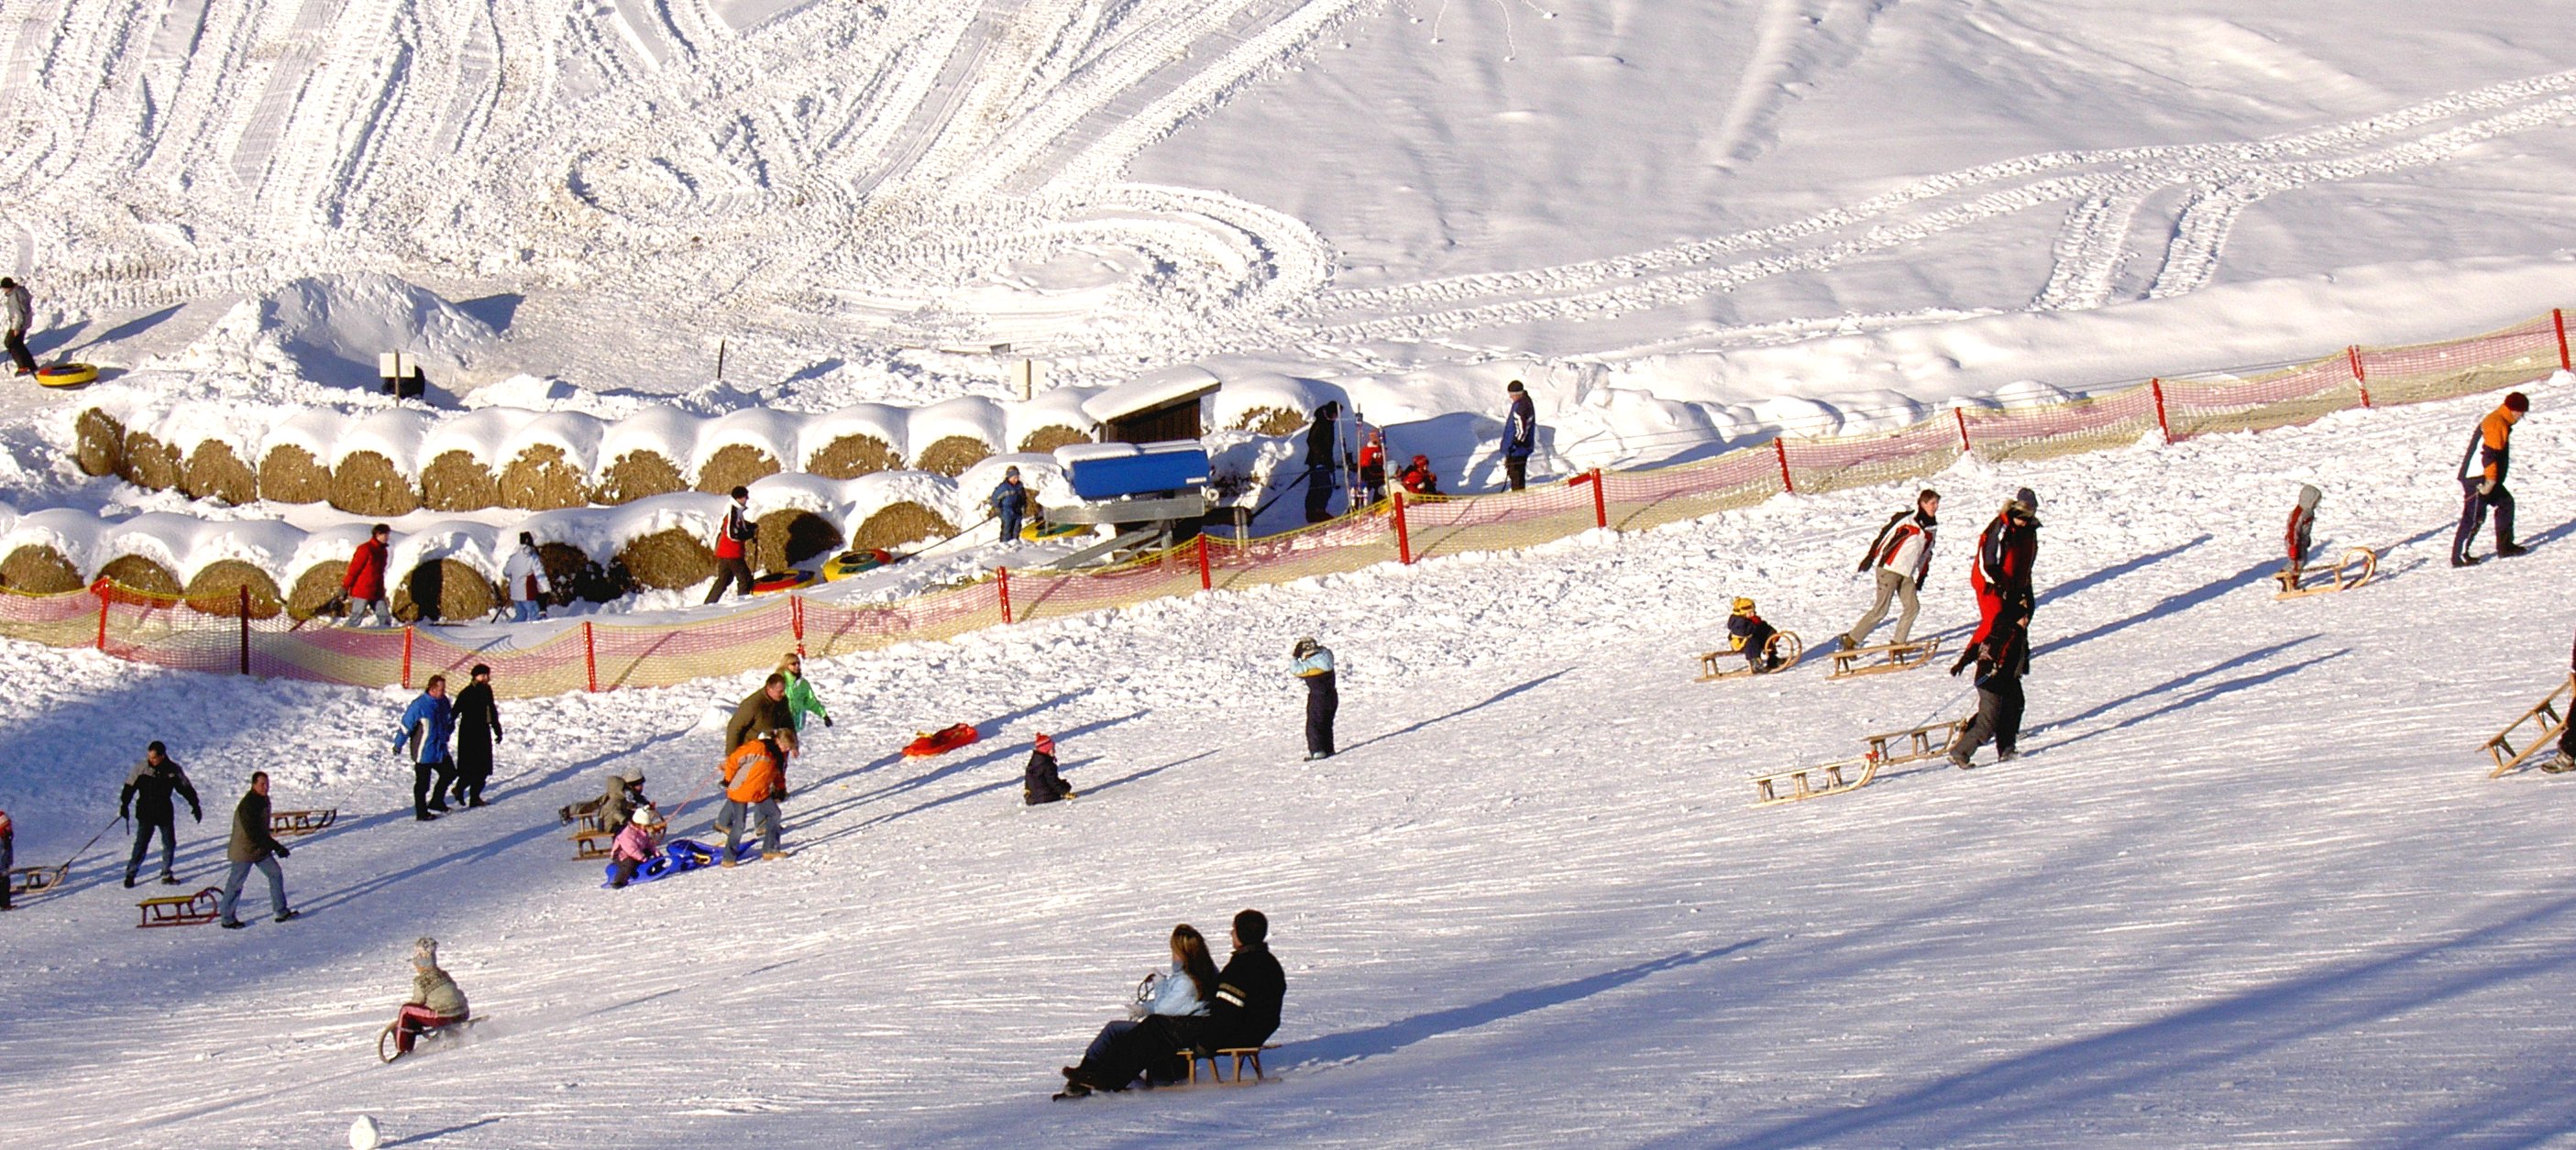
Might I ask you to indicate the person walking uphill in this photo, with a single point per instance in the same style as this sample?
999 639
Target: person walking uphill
766 709
21 313
755 779
2007 551
426 727
1901 555
1010 503
2002 659
801 699
146 801
1520 436
1314 664
1319 461
2482 474
733 548
478 727
253 846
363 584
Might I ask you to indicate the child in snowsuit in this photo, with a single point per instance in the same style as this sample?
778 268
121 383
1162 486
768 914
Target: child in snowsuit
2303 521
635 846
1417 477
1315 665
1010 503
1747 632
435 1001
2002 659
1039 782
1373 465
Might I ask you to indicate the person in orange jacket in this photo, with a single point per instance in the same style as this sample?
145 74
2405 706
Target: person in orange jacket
2482 473
755 778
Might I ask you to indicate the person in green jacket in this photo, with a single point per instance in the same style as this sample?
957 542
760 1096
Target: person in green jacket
801 699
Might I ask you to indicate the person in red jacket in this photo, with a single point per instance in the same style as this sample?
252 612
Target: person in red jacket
364 583
1373 465
1418 479
2001 576
2298 538
733 547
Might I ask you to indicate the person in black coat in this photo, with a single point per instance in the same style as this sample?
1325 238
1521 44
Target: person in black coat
146 800
2002 660
478 727
1039 782
1244 1013
1319 461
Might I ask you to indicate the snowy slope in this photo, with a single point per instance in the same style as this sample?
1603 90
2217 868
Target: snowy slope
2247 885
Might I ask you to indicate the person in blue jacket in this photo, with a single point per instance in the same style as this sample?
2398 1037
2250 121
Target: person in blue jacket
1010 503
426 727
1315 665
1520 436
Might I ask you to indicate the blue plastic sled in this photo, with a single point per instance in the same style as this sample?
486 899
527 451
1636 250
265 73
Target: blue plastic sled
680 856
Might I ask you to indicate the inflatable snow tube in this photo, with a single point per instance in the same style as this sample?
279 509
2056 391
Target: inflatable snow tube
850 563
66 374
780 581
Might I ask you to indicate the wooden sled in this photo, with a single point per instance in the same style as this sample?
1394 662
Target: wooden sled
1880 660
1783 650
1242 1056
181 909
2358 566
301 822
30 880
2552 719
385 1051
593 843
1920 744
1801 783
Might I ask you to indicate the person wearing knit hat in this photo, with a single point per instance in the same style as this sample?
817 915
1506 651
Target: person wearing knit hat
2298 537
1039 782
1520 436
2001 576
733 548
2482 474
1010 503
1314 664
435 1001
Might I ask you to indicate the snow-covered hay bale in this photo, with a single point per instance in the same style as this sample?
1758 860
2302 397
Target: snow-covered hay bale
790 536
1045 440
456 481
735 465
217 590
639 474
898 523
289 473
368 483
564 563
317 585
1270 421
852 441
39 569
853 455
671 558
741 446
136 573
149 462
959 432
444 589
644 455
952 455
99 443
542 478
215 471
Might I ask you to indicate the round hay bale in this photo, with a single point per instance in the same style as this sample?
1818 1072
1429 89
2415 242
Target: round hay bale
953 455
316 586
1271 421
367 484
101 443
542 479
735 465
788 537
217 590
150 462
136 573
670 558
456 481
637 475
896 524
39 570
852 456
290 474
1046 439
564 564
215 472
444 589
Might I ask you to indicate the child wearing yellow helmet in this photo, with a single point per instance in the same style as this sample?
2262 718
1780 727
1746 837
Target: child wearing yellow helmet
1746 632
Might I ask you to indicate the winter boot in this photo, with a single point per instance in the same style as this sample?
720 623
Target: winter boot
2509 550
129 880
2464 561
168 879
772 856
290 914
2560 765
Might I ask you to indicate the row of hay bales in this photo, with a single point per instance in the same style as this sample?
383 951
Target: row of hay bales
397 461
450 568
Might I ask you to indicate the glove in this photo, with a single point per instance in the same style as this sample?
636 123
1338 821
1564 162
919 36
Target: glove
282 852
2486 487
827 720
197 813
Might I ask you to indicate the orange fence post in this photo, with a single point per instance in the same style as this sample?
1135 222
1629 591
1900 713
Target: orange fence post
2558 319
1002 581
2156 387
2359 380
590 655
406 667
1403 542
795 622
1961 414
1204 582
100 589
245 627
1600 507
1780 447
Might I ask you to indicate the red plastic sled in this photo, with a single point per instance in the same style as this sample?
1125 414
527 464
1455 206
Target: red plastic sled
780 581
941 742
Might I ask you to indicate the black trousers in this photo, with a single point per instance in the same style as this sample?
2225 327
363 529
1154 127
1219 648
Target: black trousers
736 570
1321 703
1516 470
473 768
2473 512
1999 705
18 353
143 831
423 788
1319 494
1150 1048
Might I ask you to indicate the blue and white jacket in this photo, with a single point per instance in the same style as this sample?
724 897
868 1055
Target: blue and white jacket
427 725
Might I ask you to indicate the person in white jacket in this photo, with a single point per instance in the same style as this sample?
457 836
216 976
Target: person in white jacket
524 576
1175 999
1901 554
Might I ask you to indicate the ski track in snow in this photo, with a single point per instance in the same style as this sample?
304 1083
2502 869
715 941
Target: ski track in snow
2247 885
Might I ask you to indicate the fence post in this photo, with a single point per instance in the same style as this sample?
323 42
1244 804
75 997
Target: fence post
245 627
406 667
1780 447
1600 505
1403 542
1002 581
2156 387
1961 414
1204 582
100 589
2353 354
589 657
2558 319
